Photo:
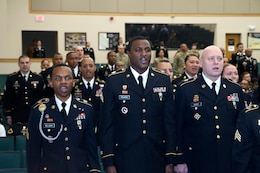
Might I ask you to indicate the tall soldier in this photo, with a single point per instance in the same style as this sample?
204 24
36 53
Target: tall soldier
60 136
207 111
137 125
22 90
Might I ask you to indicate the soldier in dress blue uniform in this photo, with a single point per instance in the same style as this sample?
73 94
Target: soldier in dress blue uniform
207 111
235 57
246 149
249 64
192 67
72 59
89 50
137 126
107 69
46 75
88 87
22 90
60 134
39 50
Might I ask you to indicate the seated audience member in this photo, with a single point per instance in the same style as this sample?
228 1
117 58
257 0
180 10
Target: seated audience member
230 72
2 131
248 92
107 69
192 66
160 57
165 66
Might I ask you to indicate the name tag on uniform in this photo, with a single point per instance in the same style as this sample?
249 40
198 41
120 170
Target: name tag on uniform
49 125
197 104
124 97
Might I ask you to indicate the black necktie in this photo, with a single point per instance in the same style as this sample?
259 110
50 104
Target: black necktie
214 88
24 78
88 89
63 111
140 79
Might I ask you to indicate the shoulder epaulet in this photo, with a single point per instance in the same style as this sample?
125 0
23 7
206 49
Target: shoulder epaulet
158 71
177 76
231 81
83 101
41 101
100 81
14 73
252 107
119 72
184 82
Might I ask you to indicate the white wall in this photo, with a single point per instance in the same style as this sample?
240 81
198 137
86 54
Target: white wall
17 18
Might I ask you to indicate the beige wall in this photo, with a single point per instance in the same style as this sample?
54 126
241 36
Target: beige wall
15 17
150 6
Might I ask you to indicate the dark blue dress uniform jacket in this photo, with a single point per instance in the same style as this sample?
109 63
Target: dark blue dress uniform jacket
206 125
137 130
19 95
74 150
246 150
95 97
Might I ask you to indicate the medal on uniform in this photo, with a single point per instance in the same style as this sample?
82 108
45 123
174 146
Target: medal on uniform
160 96
124 110
124 91
258 122
196 98
79 123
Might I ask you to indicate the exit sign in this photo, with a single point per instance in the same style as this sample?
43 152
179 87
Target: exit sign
39 18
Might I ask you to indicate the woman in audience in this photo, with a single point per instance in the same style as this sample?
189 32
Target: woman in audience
230 72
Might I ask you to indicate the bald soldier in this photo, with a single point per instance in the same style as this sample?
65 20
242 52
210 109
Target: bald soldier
207 111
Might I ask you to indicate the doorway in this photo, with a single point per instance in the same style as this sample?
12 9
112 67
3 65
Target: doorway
231 42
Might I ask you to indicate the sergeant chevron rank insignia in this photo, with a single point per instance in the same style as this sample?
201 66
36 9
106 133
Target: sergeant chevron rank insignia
237 136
